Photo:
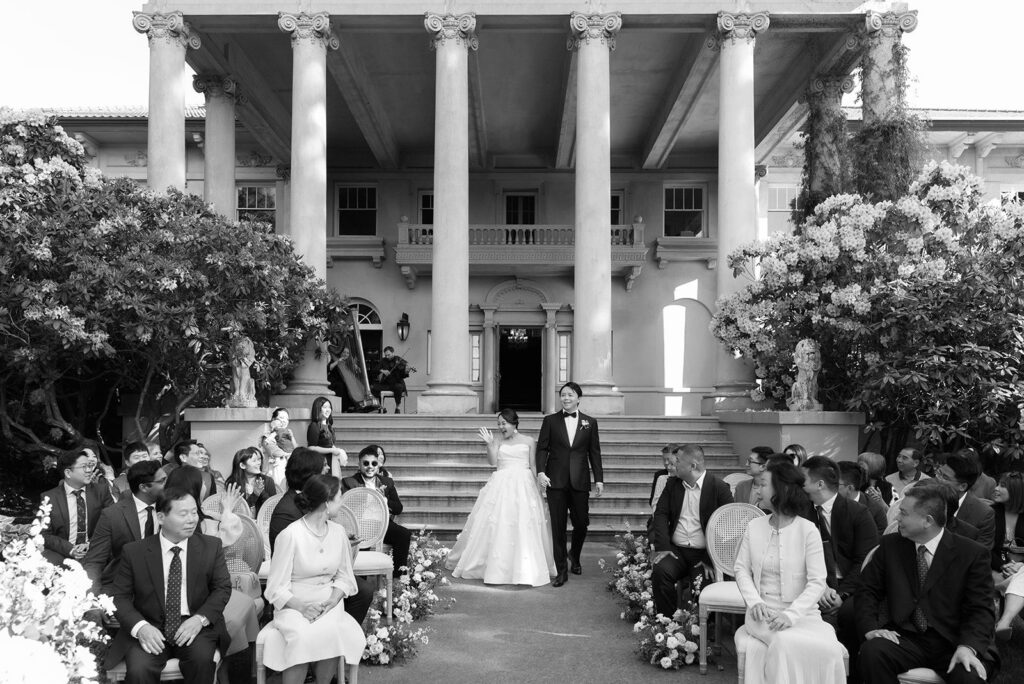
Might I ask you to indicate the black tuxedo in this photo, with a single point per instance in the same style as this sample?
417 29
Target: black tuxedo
713 494
118 525
980 514
56 546
956 599
567 461
400 538
139 593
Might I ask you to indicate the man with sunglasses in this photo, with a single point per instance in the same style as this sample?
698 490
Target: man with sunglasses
75 508
369 475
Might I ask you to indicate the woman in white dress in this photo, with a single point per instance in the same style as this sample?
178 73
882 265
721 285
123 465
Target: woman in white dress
507 538
780 570
310 575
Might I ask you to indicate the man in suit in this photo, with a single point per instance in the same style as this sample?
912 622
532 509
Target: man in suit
75 508
132 518
302 465
680 521
961 470
369 475
757 461
938 589
170 592
568 447
134 452
852 481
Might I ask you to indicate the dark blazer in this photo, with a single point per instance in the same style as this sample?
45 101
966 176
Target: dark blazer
964 529
394 503
743 489
878 511
999 534
285 513
118 525
713 494
55 536
981 515
138 589
568 461
956 597
654 484
853 536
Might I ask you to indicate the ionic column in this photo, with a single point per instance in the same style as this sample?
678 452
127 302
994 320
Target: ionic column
452 36
219 148
311 38
550 403
880 91
593 38
826 141
488 364
169 36
737 191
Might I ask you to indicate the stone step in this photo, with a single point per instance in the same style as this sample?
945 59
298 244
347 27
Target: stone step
408 479
527 423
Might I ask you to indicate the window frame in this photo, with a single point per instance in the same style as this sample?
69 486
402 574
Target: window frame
705 233
338 187
532 193
267 185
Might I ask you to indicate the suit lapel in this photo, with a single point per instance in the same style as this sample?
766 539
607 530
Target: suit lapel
560 423
156 568
944 557
61 505
131 517
193 571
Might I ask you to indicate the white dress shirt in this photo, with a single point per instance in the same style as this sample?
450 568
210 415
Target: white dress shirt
73 512
688 532
826 511
165 556
140 510
930 548
570 424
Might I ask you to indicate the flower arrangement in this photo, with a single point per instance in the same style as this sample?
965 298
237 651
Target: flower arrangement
414 599
631 575
42 612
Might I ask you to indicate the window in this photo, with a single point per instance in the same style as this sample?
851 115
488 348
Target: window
367 317
257 203
1013 193
685 211
780 207
426 207
618 208
476 355
563 357
357 210
521 209
371 333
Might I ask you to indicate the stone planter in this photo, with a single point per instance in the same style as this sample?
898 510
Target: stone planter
835 434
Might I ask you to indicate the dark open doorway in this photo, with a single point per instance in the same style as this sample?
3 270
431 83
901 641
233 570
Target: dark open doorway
519 367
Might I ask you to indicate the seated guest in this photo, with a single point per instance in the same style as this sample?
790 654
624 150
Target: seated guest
780 571
877 486
852 481
797 453
102 472
302 465
183 617
961 470
134 452
75 508
680 547
277 444
310 575
985 486
255 486
953 524
658 483
132 518
1013 603
369 475
938 590
908 471
757 461
1009 523
192 453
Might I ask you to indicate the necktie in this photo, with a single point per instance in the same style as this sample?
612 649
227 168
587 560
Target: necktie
172 607
566 414
918 618
80 529
826 534
826 543
149 523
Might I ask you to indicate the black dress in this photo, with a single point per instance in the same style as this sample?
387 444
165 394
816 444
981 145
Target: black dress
320 436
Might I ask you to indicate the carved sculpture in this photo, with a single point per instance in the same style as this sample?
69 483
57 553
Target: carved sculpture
243 389
804 395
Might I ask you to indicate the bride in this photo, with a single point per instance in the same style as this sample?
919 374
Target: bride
507 538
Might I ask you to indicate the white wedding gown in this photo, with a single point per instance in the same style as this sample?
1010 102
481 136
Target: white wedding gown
507 538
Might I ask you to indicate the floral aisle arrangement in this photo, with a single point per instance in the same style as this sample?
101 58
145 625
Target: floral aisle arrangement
670 642
42 613
415 598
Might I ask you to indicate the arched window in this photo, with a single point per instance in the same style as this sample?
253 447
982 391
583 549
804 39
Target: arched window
371 332
367 316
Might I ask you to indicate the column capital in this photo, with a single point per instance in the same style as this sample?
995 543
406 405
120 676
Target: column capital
214 85
829 87
734 27
889 24
460 28
312 28
597 27
283 171
170 28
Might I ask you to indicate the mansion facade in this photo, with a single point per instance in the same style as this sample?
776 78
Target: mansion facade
546 191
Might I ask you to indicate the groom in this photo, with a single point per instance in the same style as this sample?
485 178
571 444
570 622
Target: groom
566 451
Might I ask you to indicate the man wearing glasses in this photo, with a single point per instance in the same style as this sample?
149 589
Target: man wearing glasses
757 461
370 460
76 508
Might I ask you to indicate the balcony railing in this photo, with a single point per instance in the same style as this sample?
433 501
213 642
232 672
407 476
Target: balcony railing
519 235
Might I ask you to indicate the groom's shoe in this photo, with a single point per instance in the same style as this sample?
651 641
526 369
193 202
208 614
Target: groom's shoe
575 567
560 579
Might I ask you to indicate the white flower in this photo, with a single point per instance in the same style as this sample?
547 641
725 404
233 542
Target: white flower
384 659
376 649
382 633
659 638
666 662
371 640
672 643
688 659
690 647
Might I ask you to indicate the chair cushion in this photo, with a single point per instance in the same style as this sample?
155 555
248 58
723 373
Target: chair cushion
722 596
264 572
372 563
920 675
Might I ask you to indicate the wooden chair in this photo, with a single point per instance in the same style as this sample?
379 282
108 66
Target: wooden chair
742 638
399 401
270 637
263 523
171 671
724 532
370 510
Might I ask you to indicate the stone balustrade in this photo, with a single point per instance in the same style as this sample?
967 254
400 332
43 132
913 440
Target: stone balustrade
516 235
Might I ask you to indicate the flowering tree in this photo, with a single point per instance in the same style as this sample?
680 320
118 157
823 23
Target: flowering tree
110 288
916 303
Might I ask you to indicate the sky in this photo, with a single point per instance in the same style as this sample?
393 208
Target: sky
963 55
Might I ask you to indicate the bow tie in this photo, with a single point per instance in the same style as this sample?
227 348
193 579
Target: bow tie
566 414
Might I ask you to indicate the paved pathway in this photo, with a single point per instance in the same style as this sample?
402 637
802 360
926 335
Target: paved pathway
508 634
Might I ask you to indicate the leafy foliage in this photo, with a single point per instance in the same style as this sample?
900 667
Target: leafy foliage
916 304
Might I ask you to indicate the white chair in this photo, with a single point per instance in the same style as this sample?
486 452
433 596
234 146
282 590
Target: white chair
724 532
270 637
742 638
733 480
212 506
171 671
263 522
370 510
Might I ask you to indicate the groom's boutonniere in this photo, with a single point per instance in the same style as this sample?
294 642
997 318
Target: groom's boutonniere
584 424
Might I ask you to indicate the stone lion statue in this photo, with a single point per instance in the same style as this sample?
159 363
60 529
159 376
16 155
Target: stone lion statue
243 389
804 394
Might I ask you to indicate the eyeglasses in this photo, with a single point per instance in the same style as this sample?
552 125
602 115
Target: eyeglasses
370 463
754 461
86 467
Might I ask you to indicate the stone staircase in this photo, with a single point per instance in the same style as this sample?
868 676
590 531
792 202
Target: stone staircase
440 463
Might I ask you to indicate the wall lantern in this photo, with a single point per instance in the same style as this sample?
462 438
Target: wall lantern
403 327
